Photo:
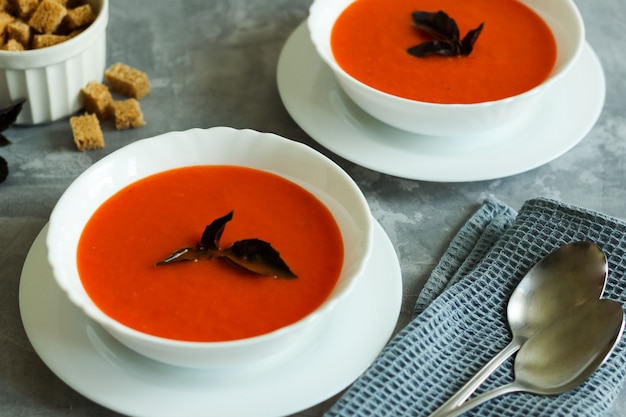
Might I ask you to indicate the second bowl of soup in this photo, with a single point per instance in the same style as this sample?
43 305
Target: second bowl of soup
523 48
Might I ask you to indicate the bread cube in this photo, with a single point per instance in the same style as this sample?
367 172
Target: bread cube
127 80
20 31
97 99
128 114
45 40
47 17
24 8
87 132
5 19
80 16
12 45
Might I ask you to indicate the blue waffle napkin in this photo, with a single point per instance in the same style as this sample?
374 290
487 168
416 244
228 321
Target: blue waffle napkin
460 318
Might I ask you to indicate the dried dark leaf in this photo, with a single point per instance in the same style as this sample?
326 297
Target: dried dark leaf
433 48
437 24
8 115
4 169
184 254
4 141
257 256
7 118
213 232
446 33
253 255
467 44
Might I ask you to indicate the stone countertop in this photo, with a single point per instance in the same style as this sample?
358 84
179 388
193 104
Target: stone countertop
214 64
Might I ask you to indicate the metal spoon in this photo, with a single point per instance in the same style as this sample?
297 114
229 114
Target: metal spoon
562 355
567 277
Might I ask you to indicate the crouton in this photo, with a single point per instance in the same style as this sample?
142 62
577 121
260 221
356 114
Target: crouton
127 80
5 19
20 31
97 99
45 40
79 16
12 45
24 8
87 132
47 17
127 114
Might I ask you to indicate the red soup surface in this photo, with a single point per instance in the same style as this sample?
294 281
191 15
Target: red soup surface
208 300
515 52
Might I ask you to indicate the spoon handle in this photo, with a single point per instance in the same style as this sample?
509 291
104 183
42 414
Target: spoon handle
468 389
478 400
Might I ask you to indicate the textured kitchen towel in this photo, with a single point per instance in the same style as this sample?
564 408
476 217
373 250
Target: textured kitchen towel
460 320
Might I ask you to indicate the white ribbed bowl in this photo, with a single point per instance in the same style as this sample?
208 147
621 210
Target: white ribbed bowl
50 79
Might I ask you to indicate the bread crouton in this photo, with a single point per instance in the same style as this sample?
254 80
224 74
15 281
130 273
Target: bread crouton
12 45
97 99
127 80
79 16
128 114
5 19
45 40
24 8
47 17
87 132
20 31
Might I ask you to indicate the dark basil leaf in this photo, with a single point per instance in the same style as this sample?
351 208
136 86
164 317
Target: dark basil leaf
184 254
257 256
4 141
9 114
446 33
433 48
4 169
437 24
213 232
467 44
253 255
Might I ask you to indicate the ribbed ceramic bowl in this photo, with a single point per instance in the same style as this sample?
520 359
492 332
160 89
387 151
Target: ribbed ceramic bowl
222 146
50 79
563 18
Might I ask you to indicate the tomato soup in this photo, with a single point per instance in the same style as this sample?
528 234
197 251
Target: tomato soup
208 300
514 53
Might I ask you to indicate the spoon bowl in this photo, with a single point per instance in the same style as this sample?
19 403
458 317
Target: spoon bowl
562 355
568 277
565 353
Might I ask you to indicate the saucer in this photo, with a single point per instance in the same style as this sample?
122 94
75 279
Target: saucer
94 364
316 102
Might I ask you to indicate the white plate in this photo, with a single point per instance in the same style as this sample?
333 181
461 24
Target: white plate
91 362
316 102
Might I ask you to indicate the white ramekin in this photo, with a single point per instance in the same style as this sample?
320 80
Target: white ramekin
50 79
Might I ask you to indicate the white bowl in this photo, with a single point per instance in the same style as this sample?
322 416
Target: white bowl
562 17
50 79
291 160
